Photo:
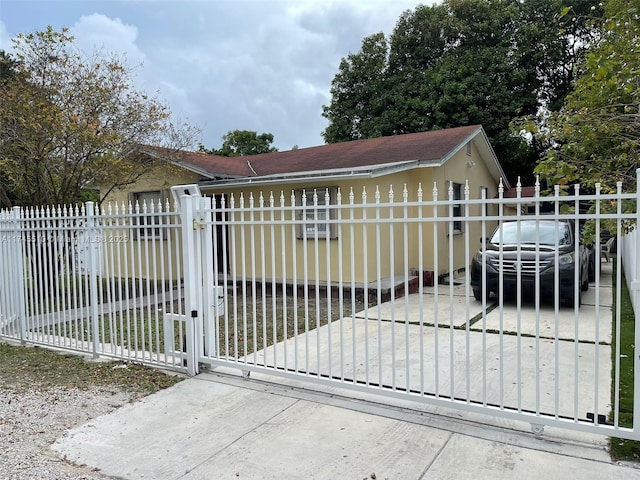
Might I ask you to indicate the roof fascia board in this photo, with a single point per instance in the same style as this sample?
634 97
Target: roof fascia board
317 175
182 164
493 163
486 152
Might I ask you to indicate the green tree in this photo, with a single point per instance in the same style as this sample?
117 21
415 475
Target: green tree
71 122
7 66
357 104
597 134
238 143
458 63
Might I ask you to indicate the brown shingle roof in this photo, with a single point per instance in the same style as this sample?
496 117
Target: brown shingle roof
427 147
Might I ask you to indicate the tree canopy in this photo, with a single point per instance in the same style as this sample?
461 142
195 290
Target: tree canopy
595 138
458 63
71 122
238 143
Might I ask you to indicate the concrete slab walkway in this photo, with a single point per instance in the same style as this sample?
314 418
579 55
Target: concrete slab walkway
217 427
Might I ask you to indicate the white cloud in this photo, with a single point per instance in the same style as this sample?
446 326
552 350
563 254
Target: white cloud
5 38
99 32
263 65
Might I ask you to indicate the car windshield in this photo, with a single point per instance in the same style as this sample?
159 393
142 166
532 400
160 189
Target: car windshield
532 233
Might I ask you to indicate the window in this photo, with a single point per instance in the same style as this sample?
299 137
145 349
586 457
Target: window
457 208
314 215
468 148
149 224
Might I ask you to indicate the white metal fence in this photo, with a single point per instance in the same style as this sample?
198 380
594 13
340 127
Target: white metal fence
99 282
366 294
631 262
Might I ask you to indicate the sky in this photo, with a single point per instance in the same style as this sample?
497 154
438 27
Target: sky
221 65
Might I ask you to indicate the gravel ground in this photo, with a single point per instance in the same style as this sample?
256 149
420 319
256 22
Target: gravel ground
31 420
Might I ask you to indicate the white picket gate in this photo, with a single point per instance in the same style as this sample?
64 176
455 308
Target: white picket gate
364 294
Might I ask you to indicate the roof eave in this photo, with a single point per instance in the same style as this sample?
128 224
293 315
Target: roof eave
319 175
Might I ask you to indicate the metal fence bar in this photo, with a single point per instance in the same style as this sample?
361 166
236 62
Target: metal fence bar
287 268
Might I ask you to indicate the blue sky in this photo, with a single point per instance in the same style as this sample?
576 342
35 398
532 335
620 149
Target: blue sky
263 65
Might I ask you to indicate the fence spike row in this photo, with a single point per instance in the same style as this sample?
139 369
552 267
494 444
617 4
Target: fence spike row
290 284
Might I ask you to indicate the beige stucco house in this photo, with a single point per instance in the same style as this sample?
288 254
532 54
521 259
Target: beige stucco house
445 158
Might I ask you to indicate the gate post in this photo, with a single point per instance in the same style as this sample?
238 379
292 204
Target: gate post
92 238
188 206
20 284
635 285
209 292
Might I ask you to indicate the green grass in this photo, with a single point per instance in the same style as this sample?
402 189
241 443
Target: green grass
143 329
29 368
274 325
622 449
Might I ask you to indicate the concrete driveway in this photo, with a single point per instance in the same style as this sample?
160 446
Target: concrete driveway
531 359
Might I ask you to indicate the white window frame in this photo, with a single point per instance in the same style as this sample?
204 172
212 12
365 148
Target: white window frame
317 216
148 226
458 194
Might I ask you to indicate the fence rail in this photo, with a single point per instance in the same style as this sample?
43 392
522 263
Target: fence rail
390 293
94 281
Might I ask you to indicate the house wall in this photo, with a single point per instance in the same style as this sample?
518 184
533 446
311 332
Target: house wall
159 178
369 257
459 169
125 252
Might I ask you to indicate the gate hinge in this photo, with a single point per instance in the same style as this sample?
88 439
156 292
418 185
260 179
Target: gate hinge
198 225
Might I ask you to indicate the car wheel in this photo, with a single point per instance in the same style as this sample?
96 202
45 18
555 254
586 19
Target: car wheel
477 294
570 300
584 286
592 265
